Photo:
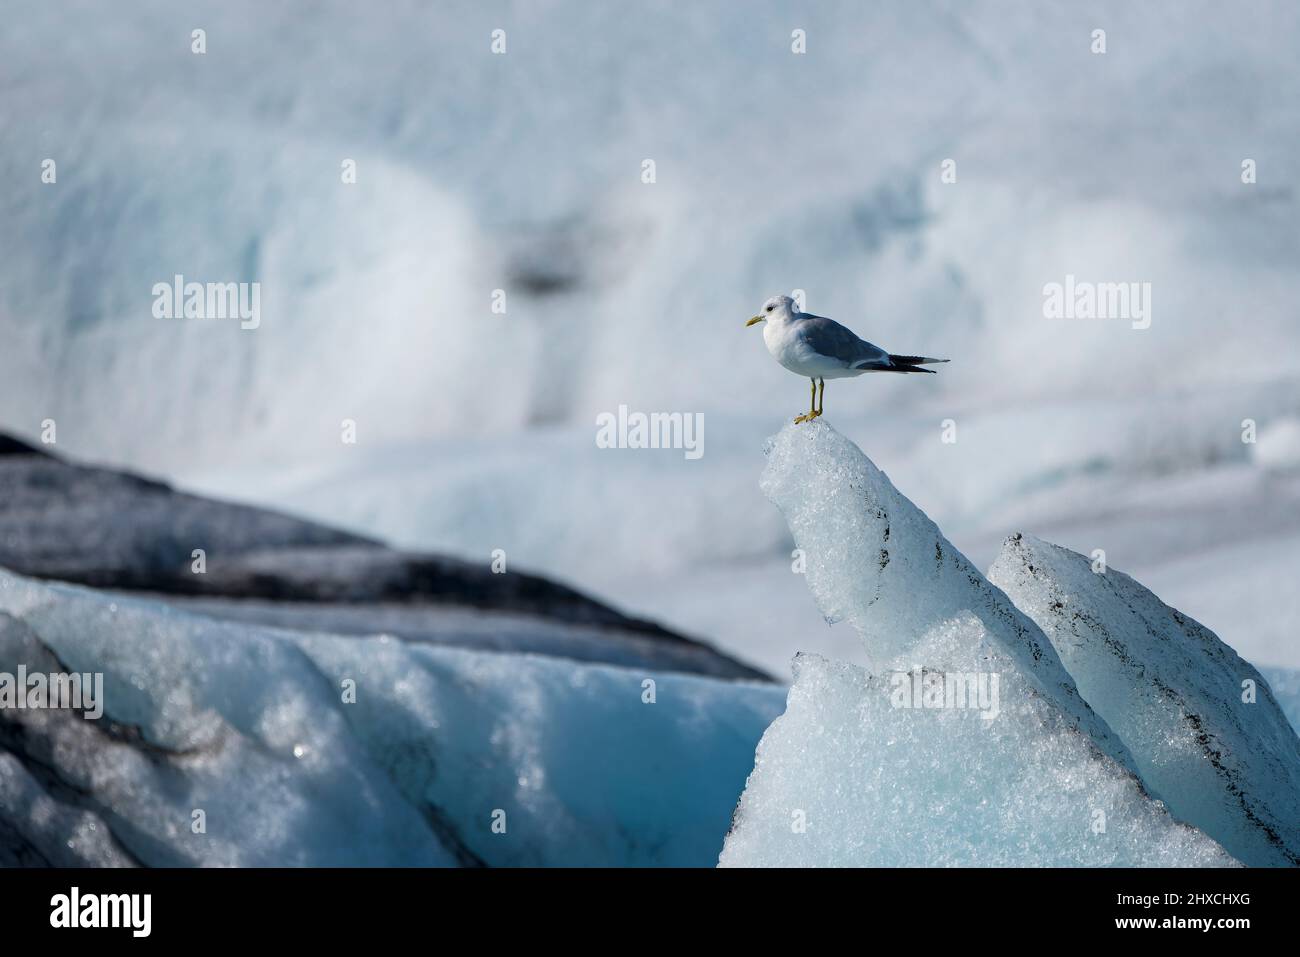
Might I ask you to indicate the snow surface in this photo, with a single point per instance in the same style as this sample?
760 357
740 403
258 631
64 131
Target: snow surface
847 776
248 724
1174 693
1277 446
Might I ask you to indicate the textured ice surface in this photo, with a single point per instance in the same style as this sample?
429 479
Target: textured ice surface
484 630
877 561
844 778
248 724
851 775
1174 693
38 830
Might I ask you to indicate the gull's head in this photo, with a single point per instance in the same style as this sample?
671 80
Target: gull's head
778 307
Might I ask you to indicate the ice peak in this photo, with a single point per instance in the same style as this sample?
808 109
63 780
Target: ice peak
966 743
878 562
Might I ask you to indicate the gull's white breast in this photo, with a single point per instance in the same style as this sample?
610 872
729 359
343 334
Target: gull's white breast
790 349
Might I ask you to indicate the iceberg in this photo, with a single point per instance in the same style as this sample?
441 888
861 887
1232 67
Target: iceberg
229 744
1202 723
843 778
861 771
877 561
119 530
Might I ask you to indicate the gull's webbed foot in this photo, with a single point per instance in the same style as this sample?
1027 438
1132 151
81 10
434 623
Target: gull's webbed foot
808 416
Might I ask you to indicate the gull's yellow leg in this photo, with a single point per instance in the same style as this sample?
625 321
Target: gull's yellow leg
812 413
821 396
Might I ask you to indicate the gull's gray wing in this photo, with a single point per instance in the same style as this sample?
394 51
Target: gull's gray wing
827 337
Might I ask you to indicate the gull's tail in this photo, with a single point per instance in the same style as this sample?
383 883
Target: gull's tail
911 363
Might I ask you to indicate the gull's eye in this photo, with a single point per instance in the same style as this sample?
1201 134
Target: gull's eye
768 309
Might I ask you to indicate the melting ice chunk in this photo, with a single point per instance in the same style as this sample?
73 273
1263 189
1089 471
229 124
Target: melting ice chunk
877 561
849 778
903 764
317 749
1202 723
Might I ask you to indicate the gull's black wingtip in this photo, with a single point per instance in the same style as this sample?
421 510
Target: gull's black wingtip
913 360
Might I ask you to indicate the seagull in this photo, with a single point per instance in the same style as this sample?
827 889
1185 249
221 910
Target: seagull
822 349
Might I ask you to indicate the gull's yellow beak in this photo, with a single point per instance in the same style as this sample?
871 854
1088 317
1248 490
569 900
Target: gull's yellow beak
754 320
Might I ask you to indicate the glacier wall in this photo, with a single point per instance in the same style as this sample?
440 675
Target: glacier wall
522 172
